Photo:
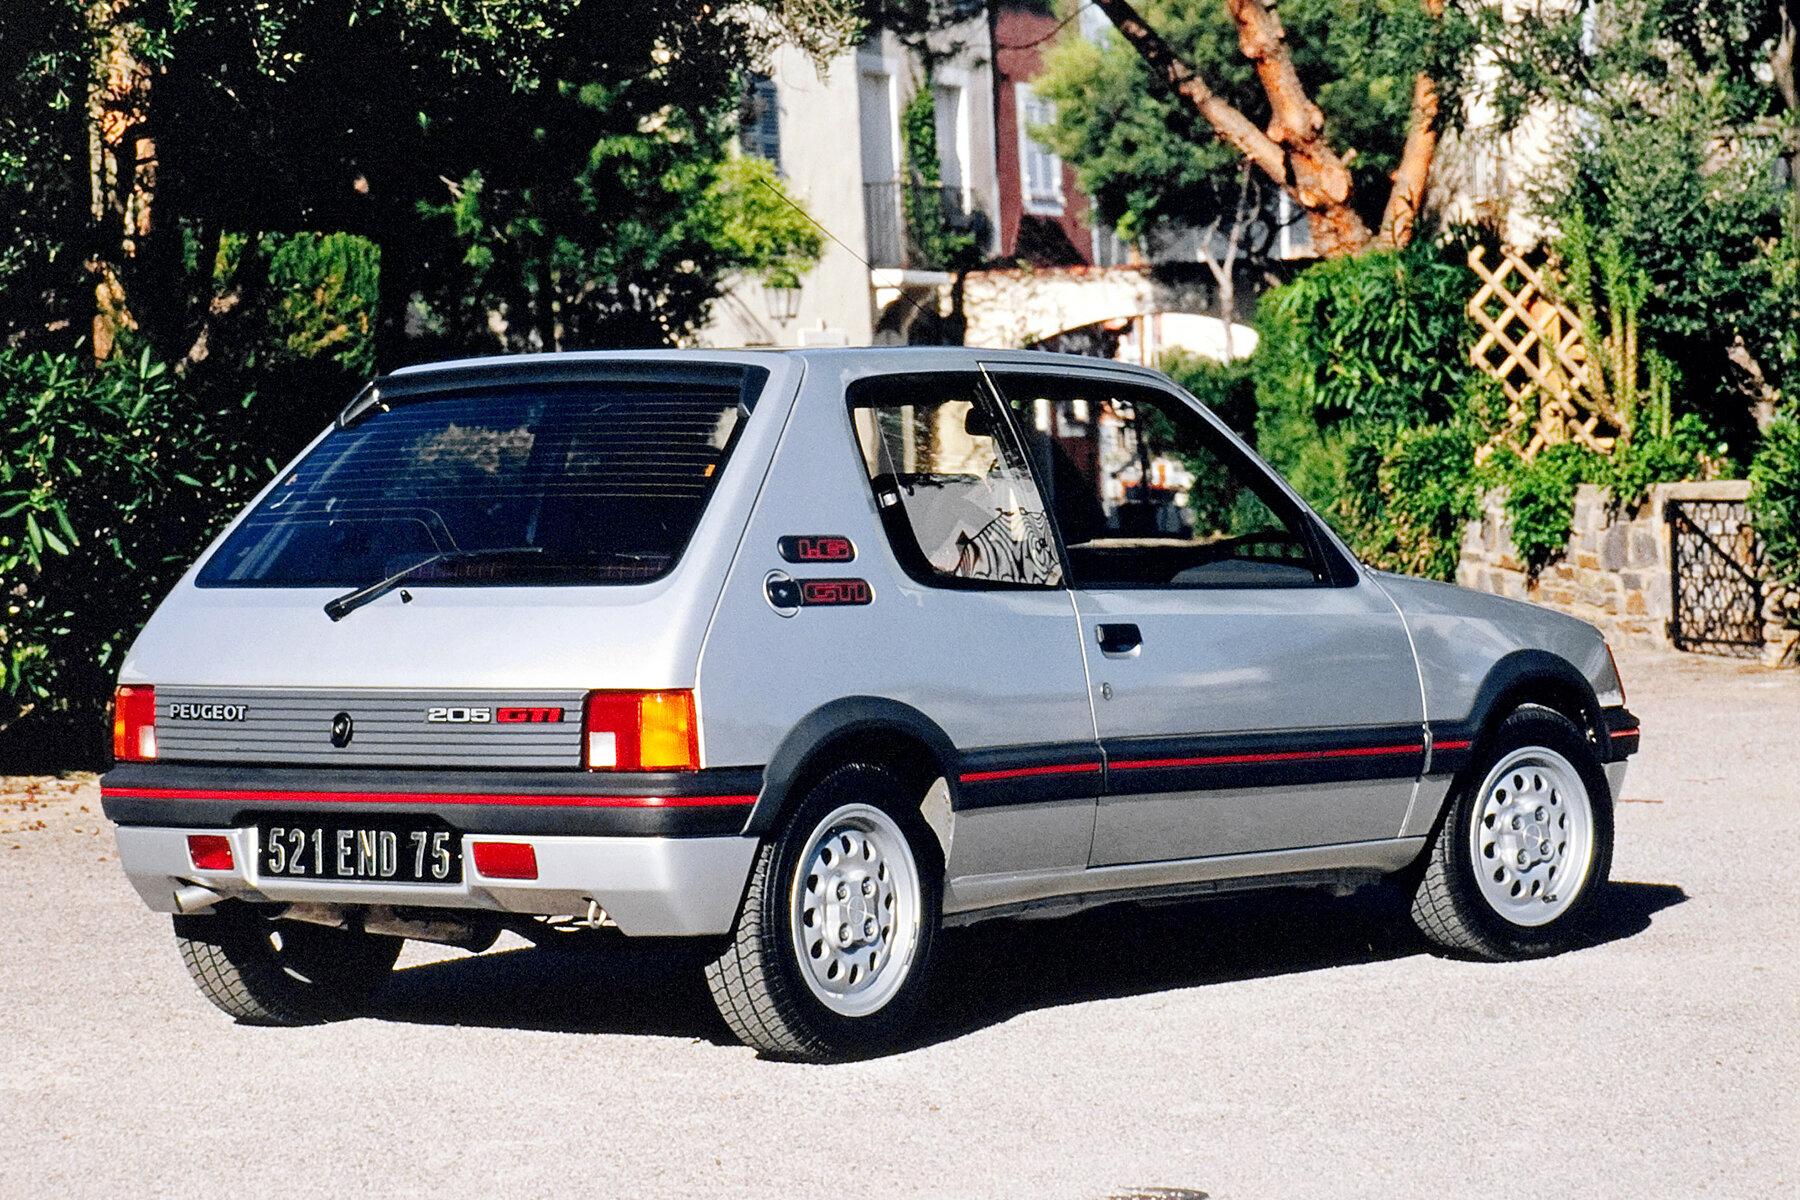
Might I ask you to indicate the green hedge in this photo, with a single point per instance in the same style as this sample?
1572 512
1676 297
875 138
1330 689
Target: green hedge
1775 501
110 483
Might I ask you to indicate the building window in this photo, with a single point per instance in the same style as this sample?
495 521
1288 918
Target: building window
1040 170
952 136
759 120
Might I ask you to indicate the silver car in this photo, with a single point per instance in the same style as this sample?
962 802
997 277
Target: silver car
805 656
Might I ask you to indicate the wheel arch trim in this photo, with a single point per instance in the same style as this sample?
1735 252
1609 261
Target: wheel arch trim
1522 677
842 723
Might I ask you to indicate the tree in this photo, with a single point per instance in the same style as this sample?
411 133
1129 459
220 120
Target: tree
1669 211
573 120
1240 76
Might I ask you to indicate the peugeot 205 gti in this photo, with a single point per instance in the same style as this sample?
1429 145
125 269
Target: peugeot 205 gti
805 655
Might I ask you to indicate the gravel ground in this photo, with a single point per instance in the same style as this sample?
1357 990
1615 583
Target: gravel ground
1276 1047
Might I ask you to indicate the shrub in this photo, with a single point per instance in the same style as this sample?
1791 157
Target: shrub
109 485
1540 498
1689 451
1380 338
1775 501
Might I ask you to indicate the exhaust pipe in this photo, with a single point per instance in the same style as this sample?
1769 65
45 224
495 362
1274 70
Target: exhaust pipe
471 935
191 898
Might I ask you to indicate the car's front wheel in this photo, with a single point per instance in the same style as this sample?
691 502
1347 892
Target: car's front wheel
274 972
829 955
1524 847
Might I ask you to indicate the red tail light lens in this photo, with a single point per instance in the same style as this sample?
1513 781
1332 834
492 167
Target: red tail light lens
210 852
505 860
134 724
640 731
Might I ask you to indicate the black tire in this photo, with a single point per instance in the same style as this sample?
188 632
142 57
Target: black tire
796 980
1524 847
266 972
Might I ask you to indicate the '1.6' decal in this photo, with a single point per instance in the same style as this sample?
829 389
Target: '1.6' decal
816 547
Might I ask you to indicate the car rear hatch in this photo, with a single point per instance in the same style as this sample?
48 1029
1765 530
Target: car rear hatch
447 573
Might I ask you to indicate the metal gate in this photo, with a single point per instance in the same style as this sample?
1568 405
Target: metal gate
1715 561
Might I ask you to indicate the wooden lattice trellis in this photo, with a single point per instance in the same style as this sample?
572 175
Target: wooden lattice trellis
1532 344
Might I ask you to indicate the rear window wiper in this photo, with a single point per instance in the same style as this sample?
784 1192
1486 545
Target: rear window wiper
342 606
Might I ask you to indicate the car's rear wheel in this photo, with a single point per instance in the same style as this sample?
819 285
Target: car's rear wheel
274 972
1524 847
834 937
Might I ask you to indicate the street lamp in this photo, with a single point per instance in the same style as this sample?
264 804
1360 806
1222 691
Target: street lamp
783 302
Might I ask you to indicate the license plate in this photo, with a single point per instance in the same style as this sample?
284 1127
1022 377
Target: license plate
359 850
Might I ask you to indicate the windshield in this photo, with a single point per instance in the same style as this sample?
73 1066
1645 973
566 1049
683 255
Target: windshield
570 483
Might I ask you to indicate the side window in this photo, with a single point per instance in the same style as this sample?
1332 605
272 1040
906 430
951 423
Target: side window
951 481
1147 493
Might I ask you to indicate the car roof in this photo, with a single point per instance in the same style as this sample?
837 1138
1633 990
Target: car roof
874 358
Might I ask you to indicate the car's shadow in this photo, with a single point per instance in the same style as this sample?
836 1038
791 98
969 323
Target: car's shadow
985 974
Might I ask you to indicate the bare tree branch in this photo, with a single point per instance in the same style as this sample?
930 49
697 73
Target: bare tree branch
1293 150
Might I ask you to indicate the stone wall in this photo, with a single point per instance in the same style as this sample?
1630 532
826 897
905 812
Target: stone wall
1615 571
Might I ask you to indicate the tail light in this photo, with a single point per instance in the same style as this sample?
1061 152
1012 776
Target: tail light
506 860
640 731
210 851
134 724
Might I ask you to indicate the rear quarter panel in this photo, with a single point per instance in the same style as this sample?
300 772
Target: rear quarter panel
953 656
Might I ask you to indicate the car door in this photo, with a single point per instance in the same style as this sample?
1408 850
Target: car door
1252 690
994 648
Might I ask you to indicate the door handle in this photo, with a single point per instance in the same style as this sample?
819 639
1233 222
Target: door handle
1118 641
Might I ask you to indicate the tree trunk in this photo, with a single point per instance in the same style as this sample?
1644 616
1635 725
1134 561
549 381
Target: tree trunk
1781 69
1225 274
1413 176
121 166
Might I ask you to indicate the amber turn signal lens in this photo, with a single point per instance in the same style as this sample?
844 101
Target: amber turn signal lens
667 740
640 731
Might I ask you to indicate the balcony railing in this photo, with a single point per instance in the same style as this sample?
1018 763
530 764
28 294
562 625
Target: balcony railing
921 228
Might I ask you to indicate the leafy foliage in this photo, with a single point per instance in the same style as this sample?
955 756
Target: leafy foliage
1228 389
44 199
109 482
1540 500
1775 501
1688 450
1410 497
1664 197
527 172
328 285
1366 401
1382 337
936 245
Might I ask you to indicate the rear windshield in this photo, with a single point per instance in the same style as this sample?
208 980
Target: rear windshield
561 483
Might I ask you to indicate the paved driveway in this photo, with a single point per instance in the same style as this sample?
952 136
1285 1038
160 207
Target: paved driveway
1279 1047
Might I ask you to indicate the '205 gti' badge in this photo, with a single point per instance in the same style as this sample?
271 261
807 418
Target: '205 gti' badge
469 714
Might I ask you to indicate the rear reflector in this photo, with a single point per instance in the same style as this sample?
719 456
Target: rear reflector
134 724
210 852
640 731
505 860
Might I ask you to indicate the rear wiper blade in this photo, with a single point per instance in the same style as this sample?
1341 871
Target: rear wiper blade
342 606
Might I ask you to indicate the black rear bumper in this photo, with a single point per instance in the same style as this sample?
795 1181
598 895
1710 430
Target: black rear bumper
708 803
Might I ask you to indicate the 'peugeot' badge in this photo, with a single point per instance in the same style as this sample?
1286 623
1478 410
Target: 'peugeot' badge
342 730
